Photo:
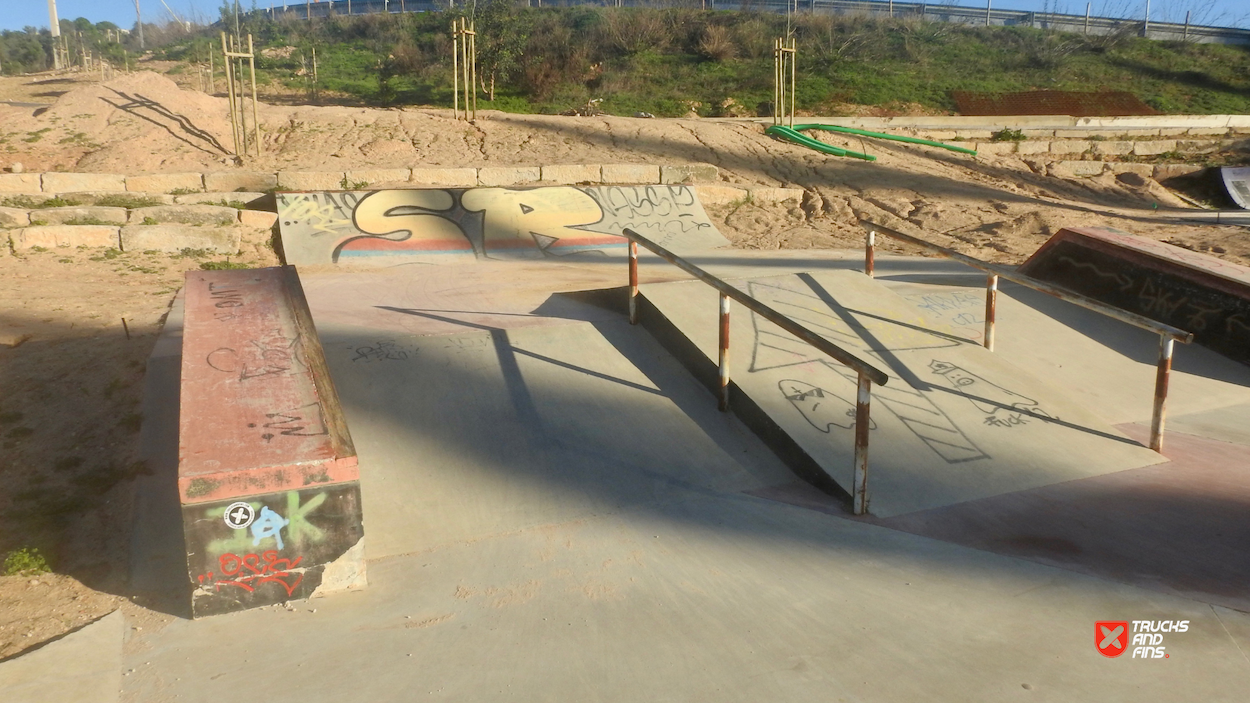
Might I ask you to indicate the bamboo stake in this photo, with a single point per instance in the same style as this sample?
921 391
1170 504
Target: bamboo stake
464 64
473 56
794 54
234 127
455 70
251 60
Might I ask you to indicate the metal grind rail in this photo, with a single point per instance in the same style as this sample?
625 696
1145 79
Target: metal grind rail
1167 333
868 374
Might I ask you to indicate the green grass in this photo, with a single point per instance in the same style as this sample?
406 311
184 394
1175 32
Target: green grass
658 61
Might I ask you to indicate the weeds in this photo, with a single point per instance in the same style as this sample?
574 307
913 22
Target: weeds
129 202
28 203
25 562
1008 135
37 135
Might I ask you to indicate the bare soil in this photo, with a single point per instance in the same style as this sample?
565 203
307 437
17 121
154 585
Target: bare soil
71 379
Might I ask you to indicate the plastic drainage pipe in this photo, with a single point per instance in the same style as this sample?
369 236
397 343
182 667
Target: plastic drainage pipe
804 140
882 135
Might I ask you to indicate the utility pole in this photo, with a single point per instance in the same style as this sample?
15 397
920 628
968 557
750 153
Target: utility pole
55 28
139 17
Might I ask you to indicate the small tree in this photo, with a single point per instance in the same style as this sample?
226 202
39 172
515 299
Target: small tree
502 32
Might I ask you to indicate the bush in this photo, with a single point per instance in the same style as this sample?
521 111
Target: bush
716 44
1008 135
25 562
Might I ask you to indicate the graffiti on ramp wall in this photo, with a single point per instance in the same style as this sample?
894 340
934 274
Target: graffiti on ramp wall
397 226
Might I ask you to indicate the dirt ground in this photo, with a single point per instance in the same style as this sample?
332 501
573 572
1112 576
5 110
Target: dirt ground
71 375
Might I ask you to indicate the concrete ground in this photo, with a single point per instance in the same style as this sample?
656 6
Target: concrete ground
555 510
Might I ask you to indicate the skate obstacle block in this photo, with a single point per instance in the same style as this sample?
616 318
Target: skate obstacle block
267 474
1201 294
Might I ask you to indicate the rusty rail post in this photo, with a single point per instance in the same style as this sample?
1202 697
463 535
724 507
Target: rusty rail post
870 253
1162 374
724 353
862 400
633 282
991 308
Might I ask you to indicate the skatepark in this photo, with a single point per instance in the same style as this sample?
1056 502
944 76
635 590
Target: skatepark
554 508
448 451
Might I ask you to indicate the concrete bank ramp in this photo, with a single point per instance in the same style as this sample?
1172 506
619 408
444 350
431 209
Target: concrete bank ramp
395 227
955 422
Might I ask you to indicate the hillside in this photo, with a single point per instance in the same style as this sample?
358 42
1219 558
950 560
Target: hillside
671 62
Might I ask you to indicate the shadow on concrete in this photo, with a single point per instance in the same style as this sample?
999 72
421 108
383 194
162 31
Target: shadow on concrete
1151 527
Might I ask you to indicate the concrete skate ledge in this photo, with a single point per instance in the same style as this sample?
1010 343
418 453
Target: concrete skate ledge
267 473
259 411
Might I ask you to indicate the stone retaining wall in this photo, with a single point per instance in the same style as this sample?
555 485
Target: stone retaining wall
359 179
1104 148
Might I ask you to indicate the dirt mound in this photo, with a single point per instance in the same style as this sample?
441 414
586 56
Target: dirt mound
132 124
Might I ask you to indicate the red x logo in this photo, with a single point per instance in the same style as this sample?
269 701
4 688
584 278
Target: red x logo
1111 638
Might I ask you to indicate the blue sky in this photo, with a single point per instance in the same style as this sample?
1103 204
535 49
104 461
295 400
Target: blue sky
16 14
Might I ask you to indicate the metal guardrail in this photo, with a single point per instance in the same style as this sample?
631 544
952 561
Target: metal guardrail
937 12
868 374
1167 333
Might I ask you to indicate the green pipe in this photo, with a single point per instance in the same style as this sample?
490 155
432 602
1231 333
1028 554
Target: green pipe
882 135
804 140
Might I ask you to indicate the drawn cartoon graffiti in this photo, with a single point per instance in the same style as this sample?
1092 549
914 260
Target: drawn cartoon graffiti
477 223
929 423
776 349
1002 407
822 409
251 570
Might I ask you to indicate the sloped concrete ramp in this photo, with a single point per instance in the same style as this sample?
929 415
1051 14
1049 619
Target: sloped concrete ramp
955 422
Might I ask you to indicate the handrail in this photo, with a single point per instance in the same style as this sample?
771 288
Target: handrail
1167 333
867 372
878 376
1009 274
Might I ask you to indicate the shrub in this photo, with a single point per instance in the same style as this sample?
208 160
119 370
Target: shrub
25 562
716 44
